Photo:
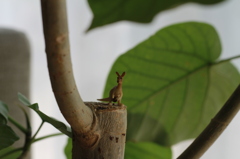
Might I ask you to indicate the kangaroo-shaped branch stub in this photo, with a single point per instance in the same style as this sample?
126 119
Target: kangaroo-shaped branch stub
115 94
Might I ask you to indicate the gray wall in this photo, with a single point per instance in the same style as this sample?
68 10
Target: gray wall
14 74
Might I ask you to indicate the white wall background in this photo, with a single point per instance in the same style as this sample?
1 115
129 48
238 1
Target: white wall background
94 53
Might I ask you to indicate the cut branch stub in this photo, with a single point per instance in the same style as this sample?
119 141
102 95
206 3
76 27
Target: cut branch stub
108 135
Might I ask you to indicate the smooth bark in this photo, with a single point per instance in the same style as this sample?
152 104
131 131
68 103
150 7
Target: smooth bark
99 131
63 84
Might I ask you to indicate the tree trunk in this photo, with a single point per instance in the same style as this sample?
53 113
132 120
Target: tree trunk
99 131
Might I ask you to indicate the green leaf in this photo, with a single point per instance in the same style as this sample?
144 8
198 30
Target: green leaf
23 99
3 113
68 149
146 150
143 11
57 124
13 153
54 122
173 85
7 136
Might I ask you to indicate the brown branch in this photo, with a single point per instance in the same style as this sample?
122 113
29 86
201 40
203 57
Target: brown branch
215 128
69 101
98 131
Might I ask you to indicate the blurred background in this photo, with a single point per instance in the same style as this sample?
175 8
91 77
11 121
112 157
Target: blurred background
94 52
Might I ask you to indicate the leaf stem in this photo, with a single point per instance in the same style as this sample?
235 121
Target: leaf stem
34 136
29 140
47 136
215 128
29 128
19 126
228 59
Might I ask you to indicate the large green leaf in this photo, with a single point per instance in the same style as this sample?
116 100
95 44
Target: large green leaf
7 136
3 113
143 11
146 150
13 153
54 122
173 85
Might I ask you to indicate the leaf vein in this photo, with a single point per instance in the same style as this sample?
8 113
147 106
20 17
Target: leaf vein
159 63
168 85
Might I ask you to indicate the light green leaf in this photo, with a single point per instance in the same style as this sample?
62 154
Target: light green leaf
23 99
173 85
3 113
143 11
7 136
54 122
68 149
146 150
13 153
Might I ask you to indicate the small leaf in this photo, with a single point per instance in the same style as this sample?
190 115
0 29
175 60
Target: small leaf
68 149
7 136
23 99
173 84
3 113
143 11
57 124
15 154
146 150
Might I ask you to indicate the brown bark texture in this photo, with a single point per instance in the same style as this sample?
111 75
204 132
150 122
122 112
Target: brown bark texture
111 126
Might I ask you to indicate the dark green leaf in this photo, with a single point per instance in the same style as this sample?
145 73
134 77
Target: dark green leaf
143 11
23 99
173 85
7 136
3 113
13 153
68 149
146 150
57 124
